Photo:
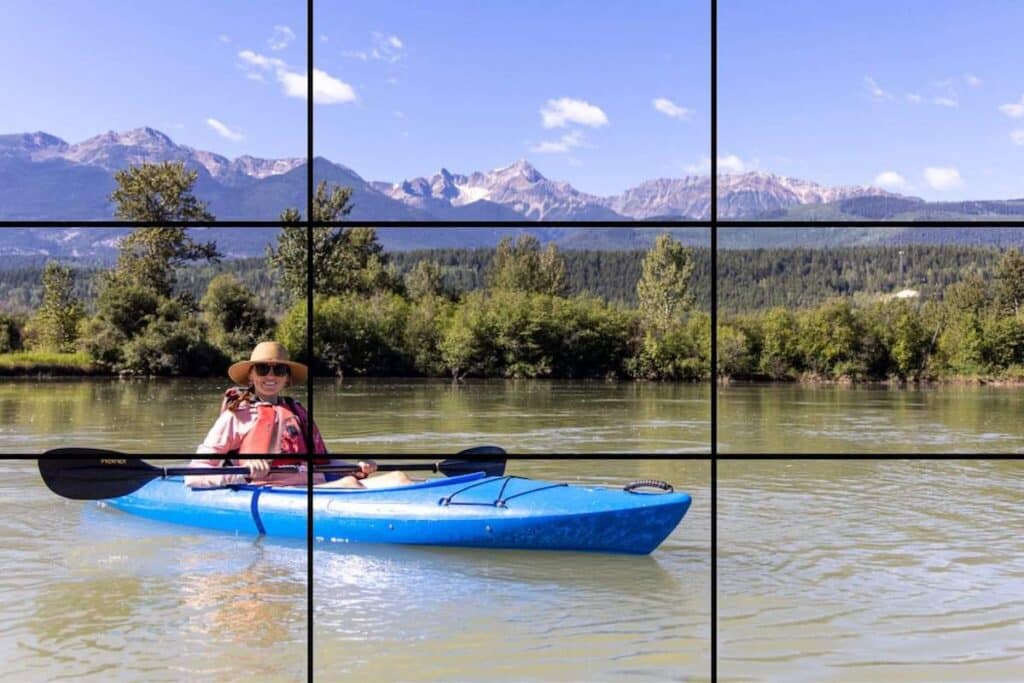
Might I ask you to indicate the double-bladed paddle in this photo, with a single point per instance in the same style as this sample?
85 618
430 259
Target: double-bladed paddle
108 474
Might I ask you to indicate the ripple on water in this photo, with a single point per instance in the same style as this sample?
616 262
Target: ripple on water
854 569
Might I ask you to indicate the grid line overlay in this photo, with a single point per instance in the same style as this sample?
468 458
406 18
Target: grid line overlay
311 222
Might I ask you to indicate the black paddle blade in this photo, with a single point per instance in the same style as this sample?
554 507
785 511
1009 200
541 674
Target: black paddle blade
96 478
493 467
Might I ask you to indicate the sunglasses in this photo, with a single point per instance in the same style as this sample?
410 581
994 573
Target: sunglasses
264 369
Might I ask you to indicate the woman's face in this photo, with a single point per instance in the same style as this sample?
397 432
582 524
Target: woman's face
268 385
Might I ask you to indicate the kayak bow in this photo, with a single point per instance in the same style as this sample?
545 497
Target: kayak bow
473 510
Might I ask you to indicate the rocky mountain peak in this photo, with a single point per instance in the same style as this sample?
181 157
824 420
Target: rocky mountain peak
37 146
520 168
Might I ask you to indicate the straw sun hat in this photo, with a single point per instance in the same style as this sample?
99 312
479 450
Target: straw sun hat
267 352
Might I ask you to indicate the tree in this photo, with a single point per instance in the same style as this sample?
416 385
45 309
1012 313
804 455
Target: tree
733 351
1010 281
344 260
56 323
830 336
147 257
235 319
552 272
327 207
158 192
780 352
10 335
663 289
424 280
909 342
522 267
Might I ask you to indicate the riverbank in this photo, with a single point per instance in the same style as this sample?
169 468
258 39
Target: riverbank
1014 379
35 363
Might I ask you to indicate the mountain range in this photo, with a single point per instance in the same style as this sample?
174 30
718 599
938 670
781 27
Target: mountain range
45 178
42 177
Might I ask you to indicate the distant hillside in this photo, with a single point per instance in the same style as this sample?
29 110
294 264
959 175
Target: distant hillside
99 245
833 237
893 208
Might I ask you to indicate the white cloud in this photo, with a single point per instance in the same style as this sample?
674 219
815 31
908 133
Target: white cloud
224 38
1017 136
943 178
563 144
385 48
326 88
1014 110
945 102
876 91
972 80
701 167
890 179
260 60
914 98
323 37
224 131
295 84
329 90
670 108
563 111
731 164
282 36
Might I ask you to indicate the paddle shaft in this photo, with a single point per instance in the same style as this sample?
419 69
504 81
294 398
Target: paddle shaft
289 469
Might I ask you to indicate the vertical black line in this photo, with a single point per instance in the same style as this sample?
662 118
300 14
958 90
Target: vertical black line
714 340
309 339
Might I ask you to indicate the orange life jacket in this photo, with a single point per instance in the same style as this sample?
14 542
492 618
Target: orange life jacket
277 430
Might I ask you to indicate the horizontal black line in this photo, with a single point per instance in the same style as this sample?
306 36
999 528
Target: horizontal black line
85 223
148 224
868 224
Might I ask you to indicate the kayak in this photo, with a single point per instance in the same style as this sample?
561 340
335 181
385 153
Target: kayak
473 510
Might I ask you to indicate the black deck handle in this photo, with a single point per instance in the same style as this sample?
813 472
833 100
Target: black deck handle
648 483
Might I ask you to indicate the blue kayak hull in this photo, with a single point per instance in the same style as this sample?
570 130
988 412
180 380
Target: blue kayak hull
468 511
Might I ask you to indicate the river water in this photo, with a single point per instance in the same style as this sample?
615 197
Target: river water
172 416
857 570
789 419
90 594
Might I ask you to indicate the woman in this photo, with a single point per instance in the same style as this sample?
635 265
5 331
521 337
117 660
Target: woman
258 420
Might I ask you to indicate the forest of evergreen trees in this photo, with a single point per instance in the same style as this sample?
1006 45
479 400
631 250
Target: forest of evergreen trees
748 280
609 275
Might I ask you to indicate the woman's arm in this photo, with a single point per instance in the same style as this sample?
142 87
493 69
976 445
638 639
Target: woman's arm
223 437
209 481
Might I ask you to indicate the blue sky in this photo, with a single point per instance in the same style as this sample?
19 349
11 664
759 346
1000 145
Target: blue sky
465 85
76 69
926 98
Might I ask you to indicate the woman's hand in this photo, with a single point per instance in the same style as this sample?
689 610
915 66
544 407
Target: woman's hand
258 469
367 467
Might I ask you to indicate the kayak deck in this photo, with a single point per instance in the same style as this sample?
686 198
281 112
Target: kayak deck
473 510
